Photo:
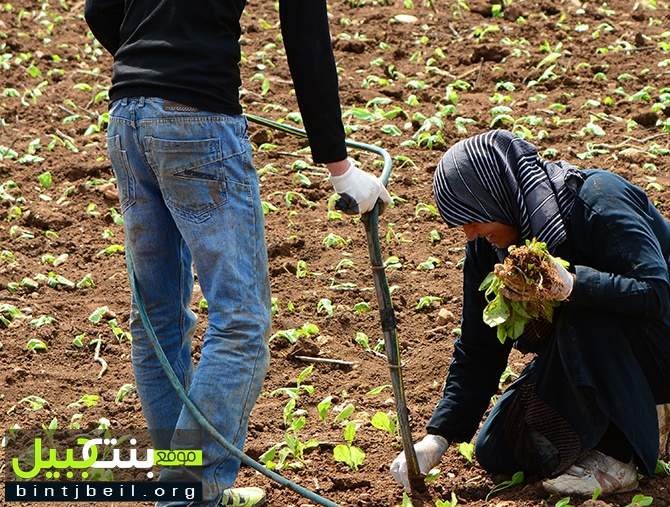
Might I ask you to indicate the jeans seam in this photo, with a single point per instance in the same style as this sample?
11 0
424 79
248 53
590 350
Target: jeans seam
253 371
227 454
178 362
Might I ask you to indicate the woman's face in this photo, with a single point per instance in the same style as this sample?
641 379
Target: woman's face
499 235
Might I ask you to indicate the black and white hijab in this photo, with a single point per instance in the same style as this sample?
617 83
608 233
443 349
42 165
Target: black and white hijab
498 177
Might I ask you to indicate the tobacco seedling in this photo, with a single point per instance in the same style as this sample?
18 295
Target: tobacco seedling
427 301
293 335
384 422
323 407
516 479
510 317
325 305
467 450
294 392
448 503
348 453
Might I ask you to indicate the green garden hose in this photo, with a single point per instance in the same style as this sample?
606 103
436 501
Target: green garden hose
388 326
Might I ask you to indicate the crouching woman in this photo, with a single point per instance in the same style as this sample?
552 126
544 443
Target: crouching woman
582 415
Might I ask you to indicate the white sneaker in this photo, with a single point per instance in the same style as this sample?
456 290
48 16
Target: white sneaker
594 470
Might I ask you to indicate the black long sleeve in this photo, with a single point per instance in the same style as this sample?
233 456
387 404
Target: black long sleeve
479 358
628 269
310 57
104 18
190 53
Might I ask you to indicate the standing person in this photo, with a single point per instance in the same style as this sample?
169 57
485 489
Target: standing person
189 194
582 415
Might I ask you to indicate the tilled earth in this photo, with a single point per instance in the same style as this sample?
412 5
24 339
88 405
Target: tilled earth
586 81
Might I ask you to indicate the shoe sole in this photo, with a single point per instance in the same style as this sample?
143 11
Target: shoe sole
632 487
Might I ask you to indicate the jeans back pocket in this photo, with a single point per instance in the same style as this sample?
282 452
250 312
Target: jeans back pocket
191 175
125 181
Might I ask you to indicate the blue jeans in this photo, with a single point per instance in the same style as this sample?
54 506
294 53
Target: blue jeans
189 195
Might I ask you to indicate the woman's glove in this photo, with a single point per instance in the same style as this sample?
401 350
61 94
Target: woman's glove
359 191
429 452
559 288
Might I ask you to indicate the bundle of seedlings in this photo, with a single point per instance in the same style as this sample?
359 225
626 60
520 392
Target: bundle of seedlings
521 289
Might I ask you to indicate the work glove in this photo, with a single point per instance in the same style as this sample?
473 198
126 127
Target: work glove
359 191
559 288
429 452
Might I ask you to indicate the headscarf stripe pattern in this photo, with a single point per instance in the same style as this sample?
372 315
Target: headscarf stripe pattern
498 177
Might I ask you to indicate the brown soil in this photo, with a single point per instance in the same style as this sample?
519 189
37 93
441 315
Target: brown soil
378 58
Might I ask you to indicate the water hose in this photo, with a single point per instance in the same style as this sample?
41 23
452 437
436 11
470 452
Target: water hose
388 326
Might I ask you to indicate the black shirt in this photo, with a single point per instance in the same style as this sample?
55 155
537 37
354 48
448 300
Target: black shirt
189 52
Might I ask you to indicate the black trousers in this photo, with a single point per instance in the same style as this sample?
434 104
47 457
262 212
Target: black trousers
598 378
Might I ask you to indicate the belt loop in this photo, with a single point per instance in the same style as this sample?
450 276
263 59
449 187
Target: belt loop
124 101
141 102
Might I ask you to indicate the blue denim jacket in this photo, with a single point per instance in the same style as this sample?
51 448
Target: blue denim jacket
619 248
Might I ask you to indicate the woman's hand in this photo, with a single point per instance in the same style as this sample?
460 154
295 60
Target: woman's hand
429 452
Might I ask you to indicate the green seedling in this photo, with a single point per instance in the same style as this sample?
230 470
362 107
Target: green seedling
427 302
384 422
54 280
36 345
426 209
393 262
34 402
294 392
78 341
641 501
429 264
324 407
467 450
292 446
348 453
98 314
563 502
516 479
448 503
345 413
406 500
325 306
41 321
293 335
87 400
378 390
8 314
662 468
123 391
510 317
333 240
361 307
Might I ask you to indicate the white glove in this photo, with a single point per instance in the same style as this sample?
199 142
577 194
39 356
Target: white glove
359 191
429 452
562 291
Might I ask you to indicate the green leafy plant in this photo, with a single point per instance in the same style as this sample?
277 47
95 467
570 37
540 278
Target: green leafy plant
447 503
467 450
510 317
516 479
385 422
348 453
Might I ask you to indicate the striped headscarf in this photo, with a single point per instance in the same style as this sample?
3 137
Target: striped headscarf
498 177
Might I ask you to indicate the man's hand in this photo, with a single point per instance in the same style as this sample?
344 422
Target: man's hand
429 452
358 189
559 289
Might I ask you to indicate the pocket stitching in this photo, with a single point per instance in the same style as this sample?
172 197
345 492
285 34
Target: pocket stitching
130 179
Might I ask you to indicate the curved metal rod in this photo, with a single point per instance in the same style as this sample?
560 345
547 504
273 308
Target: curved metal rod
386 312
